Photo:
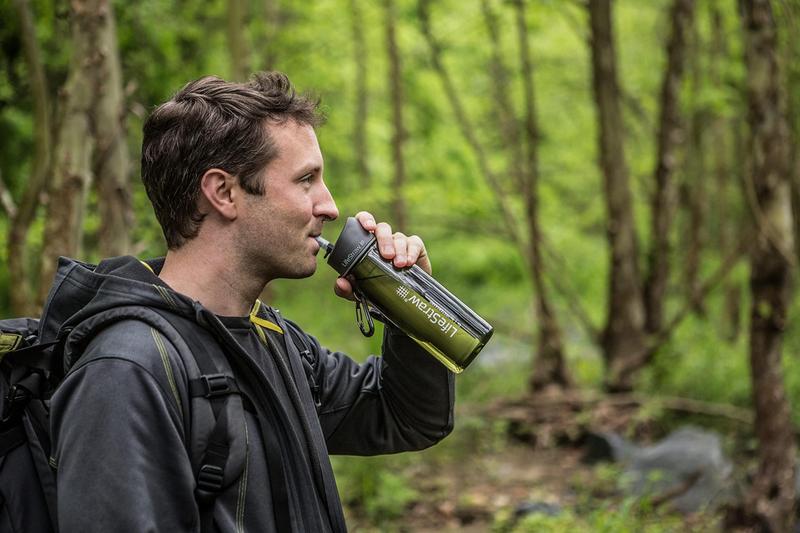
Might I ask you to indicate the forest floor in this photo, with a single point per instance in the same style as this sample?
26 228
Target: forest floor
499 462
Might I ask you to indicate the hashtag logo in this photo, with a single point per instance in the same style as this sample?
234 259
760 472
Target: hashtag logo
402 292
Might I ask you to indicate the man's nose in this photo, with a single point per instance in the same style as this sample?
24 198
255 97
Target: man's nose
326 206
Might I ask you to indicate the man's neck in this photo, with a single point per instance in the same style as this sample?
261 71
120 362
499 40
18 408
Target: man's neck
211 280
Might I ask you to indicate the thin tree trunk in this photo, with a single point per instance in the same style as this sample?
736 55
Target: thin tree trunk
726 147
72 174
694 197
771 498
361 93
509 127
21 291
624 337
272 14
669 138
398 207
549 366
111 159
237 45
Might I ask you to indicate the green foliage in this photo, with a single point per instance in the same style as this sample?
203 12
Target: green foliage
373 488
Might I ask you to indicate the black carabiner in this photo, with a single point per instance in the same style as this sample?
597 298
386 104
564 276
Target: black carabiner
362 311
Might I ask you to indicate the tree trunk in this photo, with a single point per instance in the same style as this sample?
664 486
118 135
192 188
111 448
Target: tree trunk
72 164
624 347
669 138
398 207
111 159
694 190
237 45
771 498
21 291
361 94
507 119
724 160
272 14
549 366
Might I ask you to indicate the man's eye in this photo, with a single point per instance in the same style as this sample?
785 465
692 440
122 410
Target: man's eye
307 178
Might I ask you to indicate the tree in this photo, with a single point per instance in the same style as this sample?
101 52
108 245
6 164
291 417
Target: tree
624 346
83 146
361 93
111 162
237 45
670 133
771 498
549 366
395 79
21 292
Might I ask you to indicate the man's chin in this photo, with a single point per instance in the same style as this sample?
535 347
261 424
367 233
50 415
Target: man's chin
302 273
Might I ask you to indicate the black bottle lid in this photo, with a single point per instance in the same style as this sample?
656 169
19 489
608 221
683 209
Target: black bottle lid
353 243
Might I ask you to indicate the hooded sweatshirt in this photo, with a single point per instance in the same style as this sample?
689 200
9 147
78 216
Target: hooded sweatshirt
128 437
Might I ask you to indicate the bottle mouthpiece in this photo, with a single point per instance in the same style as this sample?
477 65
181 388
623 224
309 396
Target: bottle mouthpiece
324 245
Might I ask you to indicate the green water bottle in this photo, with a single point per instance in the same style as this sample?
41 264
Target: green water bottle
407 297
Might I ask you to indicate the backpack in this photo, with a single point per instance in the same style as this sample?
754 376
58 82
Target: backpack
27 483
31 371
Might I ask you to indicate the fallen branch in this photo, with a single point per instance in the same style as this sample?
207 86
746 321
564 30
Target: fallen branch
521 409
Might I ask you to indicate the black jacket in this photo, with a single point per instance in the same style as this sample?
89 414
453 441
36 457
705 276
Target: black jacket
127 435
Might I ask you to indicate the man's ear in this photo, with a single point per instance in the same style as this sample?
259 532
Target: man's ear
218 193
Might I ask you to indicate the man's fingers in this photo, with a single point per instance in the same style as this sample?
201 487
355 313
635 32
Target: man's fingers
417 253
383 232
344 289
400 242
367 220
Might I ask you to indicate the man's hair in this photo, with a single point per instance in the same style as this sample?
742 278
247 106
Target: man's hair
212 123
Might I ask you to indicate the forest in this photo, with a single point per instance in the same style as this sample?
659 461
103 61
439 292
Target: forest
614 185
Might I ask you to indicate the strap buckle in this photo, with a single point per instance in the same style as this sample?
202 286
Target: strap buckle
209 484
216 385
209 478
16 399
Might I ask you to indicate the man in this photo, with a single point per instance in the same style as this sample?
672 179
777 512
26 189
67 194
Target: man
146 437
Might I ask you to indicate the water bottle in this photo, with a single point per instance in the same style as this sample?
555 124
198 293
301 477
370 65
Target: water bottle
409 298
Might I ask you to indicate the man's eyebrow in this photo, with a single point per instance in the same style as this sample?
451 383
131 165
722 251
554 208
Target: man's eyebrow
312 169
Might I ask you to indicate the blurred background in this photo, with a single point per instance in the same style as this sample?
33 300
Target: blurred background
612 185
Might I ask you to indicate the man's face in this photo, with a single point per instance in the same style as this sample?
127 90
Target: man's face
278 227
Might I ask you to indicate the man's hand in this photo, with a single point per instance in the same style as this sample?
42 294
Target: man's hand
403 251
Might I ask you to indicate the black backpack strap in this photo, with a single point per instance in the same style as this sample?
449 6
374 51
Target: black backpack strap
307 361
277 470
217 388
